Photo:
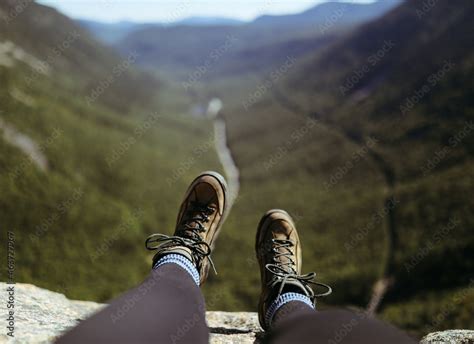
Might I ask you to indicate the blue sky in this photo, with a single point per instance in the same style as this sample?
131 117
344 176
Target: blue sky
172 10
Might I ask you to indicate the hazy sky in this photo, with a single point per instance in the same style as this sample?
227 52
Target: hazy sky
172 10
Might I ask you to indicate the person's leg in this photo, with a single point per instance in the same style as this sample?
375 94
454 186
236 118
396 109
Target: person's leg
289 311
333 327
286 308
285 291
168 306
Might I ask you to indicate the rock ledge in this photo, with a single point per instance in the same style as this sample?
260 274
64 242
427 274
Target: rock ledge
42 315
449 337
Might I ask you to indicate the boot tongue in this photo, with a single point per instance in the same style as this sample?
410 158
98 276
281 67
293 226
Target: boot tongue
189 226
195 211
181 250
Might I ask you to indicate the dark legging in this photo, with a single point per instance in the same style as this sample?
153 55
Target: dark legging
296 322
168 307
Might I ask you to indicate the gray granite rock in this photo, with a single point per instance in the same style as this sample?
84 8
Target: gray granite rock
42 315
449 337
237 327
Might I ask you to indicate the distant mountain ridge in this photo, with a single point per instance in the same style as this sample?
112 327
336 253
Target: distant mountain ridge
208 21
343 12
169 47
111 33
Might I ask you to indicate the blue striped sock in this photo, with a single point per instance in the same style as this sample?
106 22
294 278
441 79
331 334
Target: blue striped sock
282 300
182 261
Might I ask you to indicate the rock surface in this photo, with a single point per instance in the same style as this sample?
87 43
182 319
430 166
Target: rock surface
450 336
42 315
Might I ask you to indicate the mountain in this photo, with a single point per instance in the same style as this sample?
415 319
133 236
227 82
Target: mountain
327 14
111 33
68 49
168 47
90 155
362 132
368 141
207 21
359 123
381 66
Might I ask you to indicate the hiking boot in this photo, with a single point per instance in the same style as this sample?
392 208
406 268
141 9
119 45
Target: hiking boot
199 220
279 255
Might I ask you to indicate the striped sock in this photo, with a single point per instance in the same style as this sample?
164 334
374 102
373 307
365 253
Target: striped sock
282 300
182 261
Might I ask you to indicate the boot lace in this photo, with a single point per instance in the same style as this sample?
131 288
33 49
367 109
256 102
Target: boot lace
284 270
188 235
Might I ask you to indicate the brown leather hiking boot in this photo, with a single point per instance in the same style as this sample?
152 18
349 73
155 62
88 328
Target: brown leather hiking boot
199 220
279 255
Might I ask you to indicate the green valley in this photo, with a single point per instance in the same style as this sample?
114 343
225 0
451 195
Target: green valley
356 118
